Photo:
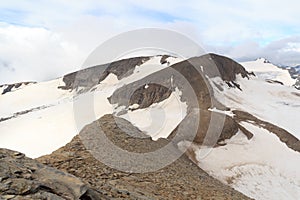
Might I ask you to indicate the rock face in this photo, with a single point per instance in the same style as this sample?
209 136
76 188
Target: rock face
295 74
89 77
190 77
149 94
294 71
212 129
225 67
24 178
297 84
180 180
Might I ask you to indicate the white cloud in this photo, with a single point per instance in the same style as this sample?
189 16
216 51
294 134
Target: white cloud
63 33
34 54
282 52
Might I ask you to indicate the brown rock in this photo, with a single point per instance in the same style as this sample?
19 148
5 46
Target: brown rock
24 178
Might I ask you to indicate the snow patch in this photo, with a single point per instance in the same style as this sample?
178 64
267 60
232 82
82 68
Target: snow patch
134 106
160 119
225 112
267 71
276 104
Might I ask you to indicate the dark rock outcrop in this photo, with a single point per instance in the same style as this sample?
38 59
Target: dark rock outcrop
274 81
144 96
294 71
213 128
89 77
297 84
24 178
164 59
190 77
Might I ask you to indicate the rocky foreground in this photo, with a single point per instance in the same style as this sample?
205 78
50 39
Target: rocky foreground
24 178
180 180
72 172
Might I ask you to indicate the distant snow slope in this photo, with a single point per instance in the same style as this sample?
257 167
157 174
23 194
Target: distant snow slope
262 168
267 71
277 104
32 96
43 130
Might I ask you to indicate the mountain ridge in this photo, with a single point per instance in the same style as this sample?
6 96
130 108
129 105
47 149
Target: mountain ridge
208 104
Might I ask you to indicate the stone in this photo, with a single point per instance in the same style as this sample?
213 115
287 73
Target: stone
25 178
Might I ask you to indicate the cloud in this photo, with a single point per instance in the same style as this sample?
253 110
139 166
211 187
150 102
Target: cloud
282 52
58 35
34 54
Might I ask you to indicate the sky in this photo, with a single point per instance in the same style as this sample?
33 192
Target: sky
42 40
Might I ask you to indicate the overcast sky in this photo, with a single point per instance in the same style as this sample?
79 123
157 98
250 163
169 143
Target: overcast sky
41 40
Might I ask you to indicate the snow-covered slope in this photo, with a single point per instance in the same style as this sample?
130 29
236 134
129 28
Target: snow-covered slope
268 71
263 167
13 87
275 103
32 96
39 118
